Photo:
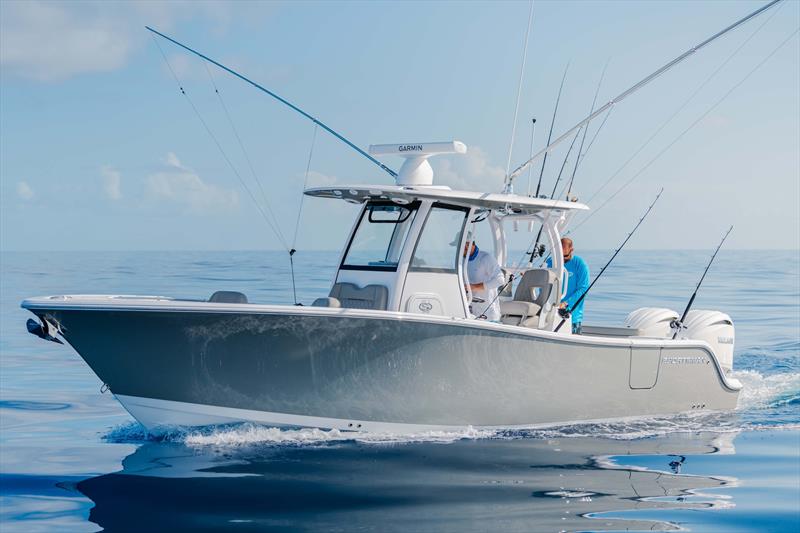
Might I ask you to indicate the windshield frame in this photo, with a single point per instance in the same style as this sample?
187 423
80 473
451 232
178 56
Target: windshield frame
366 214
439 270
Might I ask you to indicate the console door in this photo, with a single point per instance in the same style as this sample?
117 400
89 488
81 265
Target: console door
433 285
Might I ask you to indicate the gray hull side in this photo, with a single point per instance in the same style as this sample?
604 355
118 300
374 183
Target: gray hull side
385 369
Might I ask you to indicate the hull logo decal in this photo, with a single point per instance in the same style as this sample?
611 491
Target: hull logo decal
684 360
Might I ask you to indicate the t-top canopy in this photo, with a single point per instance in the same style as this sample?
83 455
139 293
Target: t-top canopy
518 205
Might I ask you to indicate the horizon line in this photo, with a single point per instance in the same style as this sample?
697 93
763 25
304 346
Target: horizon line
274 250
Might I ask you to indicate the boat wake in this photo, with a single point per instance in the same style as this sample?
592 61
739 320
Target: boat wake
765 391
249 434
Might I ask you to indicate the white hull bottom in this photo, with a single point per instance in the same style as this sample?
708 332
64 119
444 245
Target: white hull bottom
156 415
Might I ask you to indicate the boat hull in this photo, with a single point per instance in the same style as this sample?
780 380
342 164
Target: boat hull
302 367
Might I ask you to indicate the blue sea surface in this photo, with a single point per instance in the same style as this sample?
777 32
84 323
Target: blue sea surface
72 459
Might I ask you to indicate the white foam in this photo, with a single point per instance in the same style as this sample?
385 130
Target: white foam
761 391
571 494
250 434
635 428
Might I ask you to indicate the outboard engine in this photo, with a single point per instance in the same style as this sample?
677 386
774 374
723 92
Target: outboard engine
714 327
652 321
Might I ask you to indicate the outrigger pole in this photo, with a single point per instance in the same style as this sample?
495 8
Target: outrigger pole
644 81
566 312
678 324
316 121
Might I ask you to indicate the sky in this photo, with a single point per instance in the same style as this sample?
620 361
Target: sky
99 150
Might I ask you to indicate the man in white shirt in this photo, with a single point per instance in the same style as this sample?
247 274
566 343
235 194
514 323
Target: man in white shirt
485 277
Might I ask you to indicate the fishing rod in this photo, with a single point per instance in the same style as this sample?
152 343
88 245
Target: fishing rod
530 152
678 324
634 88
581 153
564 164
278 98
567 311
549 135
538 249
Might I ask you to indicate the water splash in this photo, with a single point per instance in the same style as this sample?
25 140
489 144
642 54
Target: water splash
763 391
249 434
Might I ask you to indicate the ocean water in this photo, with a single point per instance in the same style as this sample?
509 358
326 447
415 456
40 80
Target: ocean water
71 459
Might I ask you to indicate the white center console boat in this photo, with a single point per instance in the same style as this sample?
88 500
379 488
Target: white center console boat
394 346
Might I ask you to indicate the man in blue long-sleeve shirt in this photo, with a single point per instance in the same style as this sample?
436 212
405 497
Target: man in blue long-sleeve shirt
577 282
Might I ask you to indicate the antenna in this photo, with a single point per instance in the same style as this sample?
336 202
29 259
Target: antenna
635 87
416 171
519 89
324 126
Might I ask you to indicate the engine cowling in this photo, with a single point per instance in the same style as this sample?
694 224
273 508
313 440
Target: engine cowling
652 321
714 327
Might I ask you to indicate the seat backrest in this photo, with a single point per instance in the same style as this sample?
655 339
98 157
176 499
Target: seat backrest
537 278
228 297
370 297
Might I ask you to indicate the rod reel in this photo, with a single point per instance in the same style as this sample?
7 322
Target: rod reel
566 312
678 325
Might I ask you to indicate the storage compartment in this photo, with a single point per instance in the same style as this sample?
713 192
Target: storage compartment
644 367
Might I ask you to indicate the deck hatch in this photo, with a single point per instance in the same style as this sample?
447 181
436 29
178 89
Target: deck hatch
644 367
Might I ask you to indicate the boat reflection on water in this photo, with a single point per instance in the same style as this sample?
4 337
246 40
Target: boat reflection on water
514 484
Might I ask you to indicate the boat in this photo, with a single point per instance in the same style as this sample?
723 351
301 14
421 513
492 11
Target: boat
395 345
399 343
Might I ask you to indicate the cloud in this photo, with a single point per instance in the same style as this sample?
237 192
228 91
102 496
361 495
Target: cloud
112 181
53 41
25 191
470 171
172 160
50 41
182 186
